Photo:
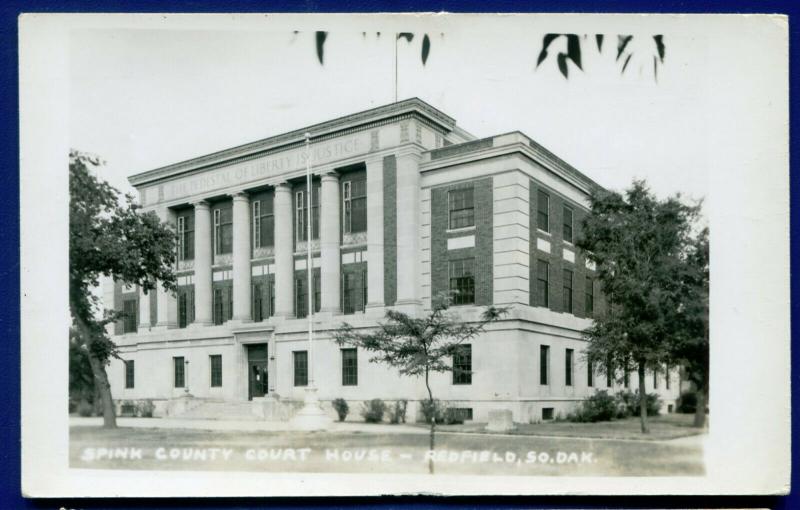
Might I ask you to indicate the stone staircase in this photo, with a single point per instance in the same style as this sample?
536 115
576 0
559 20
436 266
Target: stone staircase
220 410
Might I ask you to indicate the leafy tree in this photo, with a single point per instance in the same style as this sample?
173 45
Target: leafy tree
109 236
419 346
690 346
640 246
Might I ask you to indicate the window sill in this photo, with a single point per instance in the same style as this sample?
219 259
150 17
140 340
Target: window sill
460 230
544 232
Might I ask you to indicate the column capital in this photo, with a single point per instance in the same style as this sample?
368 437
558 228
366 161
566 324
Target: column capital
239 195
409 152
283 187
200 204
330 176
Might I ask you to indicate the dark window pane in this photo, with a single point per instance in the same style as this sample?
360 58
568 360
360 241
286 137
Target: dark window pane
589 305
349 367
462 365
300 368
216 370
543 211
544 364
567 224
567 290
542 283
461 208
590 374
568 367
129 374
462 281
130 308
179 367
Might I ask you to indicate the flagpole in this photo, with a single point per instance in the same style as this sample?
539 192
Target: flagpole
309 264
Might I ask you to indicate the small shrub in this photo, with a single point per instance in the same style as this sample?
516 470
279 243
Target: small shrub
429 410
85 408
145 408
453 416
397 412
341 407
599 407
688 402
373 410
629 403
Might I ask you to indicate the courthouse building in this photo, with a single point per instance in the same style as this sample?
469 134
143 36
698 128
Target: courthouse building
405 205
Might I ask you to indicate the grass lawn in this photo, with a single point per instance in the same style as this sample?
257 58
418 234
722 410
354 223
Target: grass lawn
670 426
367 452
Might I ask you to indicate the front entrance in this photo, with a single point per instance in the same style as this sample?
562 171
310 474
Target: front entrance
258 374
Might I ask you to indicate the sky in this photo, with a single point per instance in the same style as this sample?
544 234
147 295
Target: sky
150 94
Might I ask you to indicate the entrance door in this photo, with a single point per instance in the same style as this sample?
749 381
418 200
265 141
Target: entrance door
258 375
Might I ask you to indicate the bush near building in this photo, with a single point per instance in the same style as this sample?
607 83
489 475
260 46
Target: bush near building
397 412
603 406
341 408
373 410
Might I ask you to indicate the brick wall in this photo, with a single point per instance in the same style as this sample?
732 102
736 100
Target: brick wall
389 230
556 256
482 251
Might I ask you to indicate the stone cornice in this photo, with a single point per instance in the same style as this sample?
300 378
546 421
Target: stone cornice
360 121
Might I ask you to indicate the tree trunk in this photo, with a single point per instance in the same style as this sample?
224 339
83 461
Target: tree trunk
700 411
433 421
642 399
101 383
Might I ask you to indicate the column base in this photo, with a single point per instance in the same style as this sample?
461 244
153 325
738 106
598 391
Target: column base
311 416
408 306
162 326
375 309
200 324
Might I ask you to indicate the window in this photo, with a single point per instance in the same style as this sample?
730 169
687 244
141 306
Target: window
300 368
185 306
568 291
589 304
462 281
568 361
462 365
542 283
349 367
129 374
300 299
547 413
216 370
590 374
354 205
543 211
301 210
263 222
354 290
257 224
179 371
609 372
461 413
666 377
223 304
626 378
223 230
263 299
655 378
461 207
130 309
544 364
186 236
567 224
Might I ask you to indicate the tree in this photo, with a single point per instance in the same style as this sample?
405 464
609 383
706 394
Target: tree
419 346
690 346
109 236
639 245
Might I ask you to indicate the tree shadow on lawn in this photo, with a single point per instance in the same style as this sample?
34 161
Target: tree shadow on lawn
665 427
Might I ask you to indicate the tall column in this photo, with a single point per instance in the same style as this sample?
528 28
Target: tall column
375 232
284 252
144 309
166 302
242 273
329 240
202 264
408 183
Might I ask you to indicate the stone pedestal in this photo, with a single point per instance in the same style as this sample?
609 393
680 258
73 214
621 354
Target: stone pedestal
500 420
311 416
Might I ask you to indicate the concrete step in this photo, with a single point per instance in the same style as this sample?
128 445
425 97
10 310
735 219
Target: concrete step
220 410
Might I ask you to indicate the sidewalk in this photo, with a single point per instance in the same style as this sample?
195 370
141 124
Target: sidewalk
245 425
